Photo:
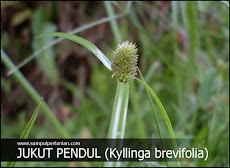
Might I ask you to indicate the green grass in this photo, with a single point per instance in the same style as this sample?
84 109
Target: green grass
26 132
191 84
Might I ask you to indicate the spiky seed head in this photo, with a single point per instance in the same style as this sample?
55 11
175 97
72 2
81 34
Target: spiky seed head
124 61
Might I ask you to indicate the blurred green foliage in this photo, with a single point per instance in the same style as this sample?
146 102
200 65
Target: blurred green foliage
46 61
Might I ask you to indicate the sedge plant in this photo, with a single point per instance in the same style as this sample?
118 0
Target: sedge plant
124 67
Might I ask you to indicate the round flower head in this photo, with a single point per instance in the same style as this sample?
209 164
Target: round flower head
124 62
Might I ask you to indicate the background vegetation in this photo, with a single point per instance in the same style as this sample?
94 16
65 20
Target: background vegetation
183 56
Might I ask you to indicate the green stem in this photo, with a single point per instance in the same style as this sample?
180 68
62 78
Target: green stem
118 119
35 96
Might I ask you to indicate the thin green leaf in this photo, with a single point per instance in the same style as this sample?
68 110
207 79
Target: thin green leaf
77 30
87 44
164 114
174 12
113 23
27 130
191 15
154 112
30 124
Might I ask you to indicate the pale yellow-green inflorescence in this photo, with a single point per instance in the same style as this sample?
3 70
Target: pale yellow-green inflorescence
124 62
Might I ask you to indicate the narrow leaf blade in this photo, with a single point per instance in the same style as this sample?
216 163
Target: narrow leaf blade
87 44
27 130
164 114
30 124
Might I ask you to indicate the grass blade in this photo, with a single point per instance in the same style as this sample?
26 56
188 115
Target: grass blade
113 23
87 44
164 114
27 130
154 113
30 124
191 16
77 30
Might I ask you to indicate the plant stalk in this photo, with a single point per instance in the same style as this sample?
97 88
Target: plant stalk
118 119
